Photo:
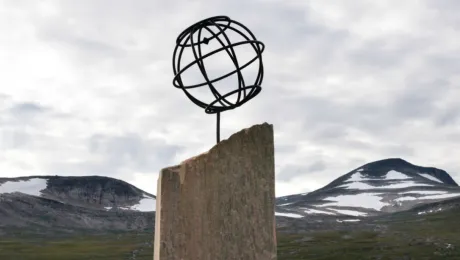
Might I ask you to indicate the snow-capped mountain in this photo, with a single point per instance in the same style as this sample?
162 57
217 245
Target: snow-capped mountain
89 202
88 191
93 203
374 189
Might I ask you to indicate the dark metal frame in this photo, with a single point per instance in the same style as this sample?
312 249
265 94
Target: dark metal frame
245 93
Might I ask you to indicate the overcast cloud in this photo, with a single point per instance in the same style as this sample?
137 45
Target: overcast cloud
86 86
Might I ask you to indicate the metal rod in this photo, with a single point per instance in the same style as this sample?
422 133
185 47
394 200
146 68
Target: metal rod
218 127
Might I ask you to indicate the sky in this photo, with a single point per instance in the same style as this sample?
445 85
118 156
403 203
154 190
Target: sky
86 87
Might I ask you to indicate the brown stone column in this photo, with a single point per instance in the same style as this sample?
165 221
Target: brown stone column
220 205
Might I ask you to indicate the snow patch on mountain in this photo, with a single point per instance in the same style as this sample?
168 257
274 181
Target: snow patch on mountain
316 211
405 184
395 175
351 212
430 197
357 186
357 181
146 204
364 200
424 192
374 200
429 177
32 186
347 220
357 176
429 211
289 215
391 175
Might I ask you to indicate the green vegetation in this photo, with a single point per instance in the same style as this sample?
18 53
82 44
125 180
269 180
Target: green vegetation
432 237
83 247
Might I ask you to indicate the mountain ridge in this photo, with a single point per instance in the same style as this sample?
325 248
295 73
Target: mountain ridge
377 189
93 190
398 163
49 203
373 189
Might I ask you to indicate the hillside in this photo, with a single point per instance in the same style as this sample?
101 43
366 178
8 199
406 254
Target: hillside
431 236
375 189
389 209
52 203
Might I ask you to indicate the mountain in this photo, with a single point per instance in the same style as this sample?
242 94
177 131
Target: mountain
372 190
389 209
69 203
378 190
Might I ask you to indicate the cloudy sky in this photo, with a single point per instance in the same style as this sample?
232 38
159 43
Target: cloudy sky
86 86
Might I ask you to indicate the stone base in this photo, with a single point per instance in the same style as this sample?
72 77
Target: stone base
220 205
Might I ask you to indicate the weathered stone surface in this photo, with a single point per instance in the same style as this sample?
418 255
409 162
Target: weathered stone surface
220 205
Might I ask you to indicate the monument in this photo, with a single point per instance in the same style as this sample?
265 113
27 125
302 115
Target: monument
186 42
220 204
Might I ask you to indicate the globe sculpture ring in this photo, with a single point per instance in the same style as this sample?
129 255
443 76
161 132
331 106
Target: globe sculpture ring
191 40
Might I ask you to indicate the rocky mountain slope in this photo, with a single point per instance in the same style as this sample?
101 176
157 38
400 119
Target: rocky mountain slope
378 190
90 202
375 189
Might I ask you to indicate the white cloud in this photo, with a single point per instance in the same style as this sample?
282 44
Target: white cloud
345 84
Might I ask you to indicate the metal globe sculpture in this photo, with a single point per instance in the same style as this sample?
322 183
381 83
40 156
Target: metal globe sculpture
192 40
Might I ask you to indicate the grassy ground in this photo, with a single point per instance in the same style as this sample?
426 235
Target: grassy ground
431 237
81 248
